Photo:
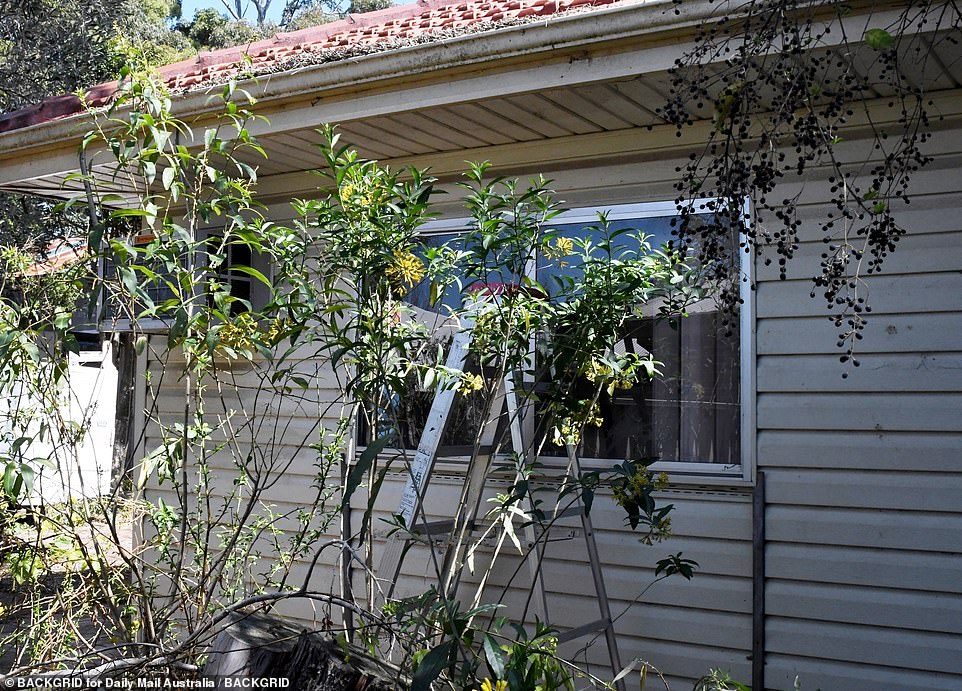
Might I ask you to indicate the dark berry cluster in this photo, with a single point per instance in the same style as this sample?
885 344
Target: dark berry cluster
782 85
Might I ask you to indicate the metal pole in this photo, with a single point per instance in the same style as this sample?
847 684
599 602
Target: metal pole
594 560
758 583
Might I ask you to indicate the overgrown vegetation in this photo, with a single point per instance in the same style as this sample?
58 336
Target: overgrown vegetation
248 386
240 390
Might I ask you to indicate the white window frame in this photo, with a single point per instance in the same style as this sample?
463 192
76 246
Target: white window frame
679 471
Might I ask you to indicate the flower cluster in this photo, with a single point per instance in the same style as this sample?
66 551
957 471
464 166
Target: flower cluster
470 383
242 331
582 414
562 247
632 489
406 270
357 195
600 373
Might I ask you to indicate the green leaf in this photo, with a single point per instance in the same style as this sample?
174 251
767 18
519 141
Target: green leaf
492 653
362 466
879 39
124 213
11 481
61 320
27 476
129 278
252 272
431 666
167 177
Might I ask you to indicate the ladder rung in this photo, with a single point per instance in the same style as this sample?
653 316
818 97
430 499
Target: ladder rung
433 527
584 629
441 527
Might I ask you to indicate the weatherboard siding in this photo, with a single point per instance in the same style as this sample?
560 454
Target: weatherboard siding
863 479
863 563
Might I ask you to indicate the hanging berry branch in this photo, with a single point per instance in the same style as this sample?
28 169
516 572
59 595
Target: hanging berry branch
781 81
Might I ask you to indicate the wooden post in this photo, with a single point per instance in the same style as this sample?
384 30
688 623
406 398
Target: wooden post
125 360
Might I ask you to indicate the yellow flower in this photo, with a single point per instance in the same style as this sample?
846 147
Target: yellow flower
406 270
471 382
499 685
347 191
562 248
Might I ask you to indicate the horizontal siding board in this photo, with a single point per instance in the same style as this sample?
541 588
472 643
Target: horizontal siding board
905 294
919 650
860 565
313 404
892 411
890 333
881 528
286 432
930 212
684 659
866 450
888 608
831 675
913 253
705 592
729 516
902 372
941 492
713 629
940 177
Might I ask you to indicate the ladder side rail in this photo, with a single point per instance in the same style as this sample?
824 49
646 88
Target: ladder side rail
520 416
419 470
597 575
533 558
472 491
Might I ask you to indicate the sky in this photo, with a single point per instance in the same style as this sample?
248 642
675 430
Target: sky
188 7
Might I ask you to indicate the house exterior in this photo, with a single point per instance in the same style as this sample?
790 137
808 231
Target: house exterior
831 547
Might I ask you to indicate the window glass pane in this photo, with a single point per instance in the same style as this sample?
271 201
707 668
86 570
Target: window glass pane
157 289
420 294
691 412
406 416
549 272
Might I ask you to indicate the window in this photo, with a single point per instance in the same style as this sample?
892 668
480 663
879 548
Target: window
239 283
154 280
693 417
157 290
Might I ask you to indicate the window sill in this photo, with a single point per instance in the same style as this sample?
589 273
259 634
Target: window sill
680 475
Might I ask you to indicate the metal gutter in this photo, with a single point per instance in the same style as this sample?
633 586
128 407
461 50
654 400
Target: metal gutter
553 35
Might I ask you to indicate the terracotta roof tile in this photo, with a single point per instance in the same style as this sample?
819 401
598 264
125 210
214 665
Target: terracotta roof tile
388 26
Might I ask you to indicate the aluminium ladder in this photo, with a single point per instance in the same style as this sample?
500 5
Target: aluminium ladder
410 509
